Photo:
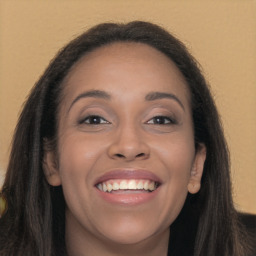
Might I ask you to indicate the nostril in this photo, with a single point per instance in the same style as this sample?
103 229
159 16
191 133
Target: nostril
123 156
120 155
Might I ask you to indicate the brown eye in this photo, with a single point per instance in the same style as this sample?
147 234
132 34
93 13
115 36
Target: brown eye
161 120
94 120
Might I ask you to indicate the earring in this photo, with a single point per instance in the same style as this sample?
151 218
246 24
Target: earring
3 205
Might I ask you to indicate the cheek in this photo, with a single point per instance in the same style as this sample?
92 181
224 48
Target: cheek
77 157
78 153
177 157
177 154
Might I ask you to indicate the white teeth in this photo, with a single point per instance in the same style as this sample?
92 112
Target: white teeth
105 187
99 186
140 185
110 185
151 186
115 186
123 185
132 184
145 185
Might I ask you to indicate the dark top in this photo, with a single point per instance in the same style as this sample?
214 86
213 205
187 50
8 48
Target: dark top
249 221
187 247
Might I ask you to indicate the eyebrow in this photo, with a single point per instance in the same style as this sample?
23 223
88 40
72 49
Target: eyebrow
91 94
163 95
104 95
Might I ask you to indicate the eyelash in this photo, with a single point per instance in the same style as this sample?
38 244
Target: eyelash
161 120
94 120
156 120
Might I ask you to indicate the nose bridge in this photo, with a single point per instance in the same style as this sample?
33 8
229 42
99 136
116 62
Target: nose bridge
129 142
129 136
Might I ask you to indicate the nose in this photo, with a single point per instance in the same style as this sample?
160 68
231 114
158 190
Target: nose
129 145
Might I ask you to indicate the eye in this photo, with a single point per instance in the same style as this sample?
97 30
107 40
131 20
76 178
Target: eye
94 120
162 120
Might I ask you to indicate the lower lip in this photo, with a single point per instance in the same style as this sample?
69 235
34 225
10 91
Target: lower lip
128 199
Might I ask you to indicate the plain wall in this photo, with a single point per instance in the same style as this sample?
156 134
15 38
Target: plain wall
220 34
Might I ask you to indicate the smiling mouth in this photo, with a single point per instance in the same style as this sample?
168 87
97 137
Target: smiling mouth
123 186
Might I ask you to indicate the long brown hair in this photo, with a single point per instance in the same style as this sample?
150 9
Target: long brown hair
34 223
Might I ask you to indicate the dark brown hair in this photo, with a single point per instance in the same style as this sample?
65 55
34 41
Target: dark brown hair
34 223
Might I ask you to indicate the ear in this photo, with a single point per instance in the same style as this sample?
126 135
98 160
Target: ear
50 166
194 184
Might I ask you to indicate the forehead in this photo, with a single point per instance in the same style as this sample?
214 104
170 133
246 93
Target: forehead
125 64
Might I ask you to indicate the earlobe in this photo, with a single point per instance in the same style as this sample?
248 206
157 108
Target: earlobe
50 168
194 184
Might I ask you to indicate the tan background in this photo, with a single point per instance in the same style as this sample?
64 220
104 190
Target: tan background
220 34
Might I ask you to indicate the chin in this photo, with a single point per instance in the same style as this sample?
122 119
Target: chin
128 238
129 232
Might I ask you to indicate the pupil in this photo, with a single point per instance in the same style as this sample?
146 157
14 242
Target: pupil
95 120
159 120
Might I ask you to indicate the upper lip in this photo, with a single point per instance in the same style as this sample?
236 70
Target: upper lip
128 174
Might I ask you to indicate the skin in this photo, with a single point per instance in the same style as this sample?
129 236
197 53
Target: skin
128 137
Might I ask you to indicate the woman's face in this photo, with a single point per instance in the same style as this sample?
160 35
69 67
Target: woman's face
126 156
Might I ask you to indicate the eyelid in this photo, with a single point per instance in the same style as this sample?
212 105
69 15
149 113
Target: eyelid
95 109
171 120
87 117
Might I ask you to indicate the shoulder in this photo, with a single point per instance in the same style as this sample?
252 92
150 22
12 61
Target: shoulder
249 223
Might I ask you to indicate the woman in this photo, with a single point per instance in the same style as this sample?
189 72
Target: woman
119 151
